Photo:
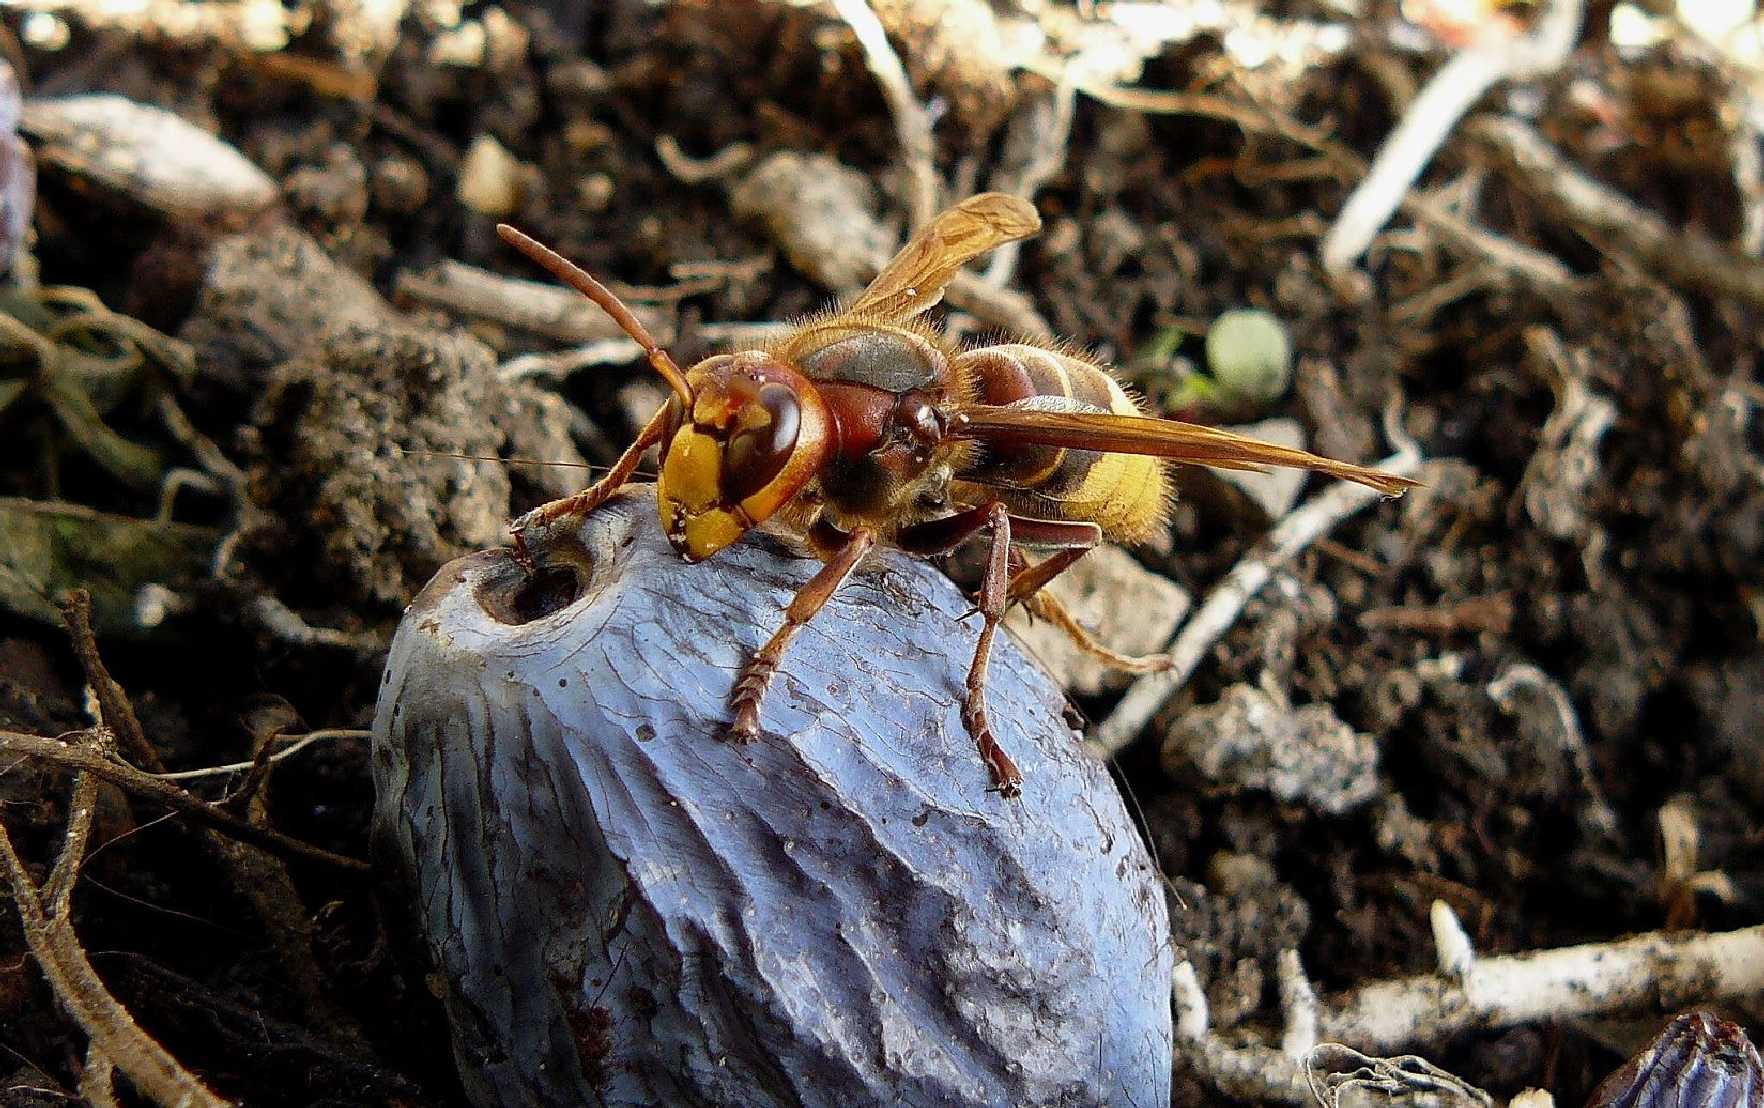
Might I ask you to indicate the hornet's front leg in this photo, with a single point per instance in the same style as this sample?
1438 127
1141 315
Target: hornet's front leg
590 498
750 688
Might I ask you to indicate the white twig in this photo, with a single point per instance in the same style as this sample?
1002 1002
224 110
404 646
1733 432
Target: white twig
1560 730
687 170
1248 1071
285 624
555 366
1339 1076
1451 944
1748 175
544 308
177 480
744 334
1656 970
1522 261
300 743
1298 1006
1034 150
912 127
1301 527
1191 1004
1616 224
1431 117
999 307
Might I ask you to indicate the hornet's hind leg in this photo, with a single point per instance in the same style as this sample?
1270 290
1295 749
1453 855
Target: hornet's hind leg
1028 583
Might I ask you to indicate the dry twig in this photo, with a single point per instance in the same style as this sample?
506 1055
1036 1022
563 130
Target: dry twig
912 127
1558 732
543 308
114 708
1615 223
1524 262
116 1040
557 365
687 170
1658 970
296 744
1340 1076
1034 151
1458 85
127 777
285 624
49 931
270 613
818 211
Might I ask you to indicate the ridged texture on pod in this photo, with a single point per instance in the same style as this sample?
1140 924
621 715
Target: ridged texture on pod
625 909
1698 1061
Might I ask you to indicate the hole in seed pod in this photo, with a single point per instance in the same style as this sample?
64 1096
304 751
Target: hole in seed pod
546 591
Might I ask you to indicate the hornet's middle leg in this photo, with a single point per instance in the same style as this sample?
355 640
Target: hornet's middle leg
939 536
994 599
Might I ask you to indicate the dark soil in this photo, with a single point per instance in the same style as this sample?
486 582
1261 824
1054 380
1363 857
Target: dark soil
1623 565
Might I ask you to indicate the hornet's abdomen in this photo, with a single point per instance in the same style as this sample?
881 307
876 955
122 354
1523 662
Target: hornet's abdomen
1126 494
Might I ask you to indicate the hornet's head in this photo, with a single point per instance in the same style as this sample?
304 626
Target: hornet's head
744 432
745 436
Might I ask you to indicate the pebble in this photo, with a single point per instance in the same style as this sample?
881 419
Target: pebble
1277 490
149 154
1252 739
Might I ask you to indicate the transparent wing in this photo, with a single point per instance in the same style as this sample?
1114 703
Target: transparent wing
915 279
1188 443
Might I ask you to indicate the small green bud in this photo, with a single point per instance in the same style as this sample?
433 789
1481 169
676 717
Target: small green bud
1250 355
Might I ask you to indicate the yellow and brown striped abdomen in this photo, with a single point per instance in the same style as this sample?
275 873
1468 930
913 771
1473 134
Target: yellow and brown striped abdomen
1126 494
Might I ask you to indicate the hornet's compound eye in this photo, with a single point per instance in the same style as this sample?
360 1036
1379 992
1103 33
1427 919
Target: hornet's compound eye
762 439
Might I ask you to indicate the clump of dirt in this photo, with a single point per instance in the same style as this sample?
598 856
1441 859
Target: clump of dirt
1530 669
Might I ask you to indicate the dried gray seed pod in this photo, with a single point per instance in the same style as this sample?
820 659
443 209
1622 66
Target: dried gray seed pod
1698 1061
625 909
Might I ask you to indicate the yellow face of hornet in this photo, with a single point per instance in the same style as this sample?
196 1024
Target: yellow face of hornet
756 433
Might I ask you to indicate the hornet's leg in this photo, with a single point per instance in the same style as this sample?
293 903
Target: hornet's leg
939 536
1048 608
1070 541
944 534
1028 581
592 497
1006 778
750 689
